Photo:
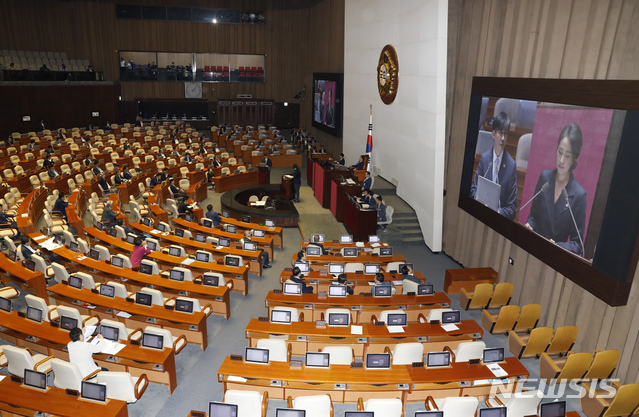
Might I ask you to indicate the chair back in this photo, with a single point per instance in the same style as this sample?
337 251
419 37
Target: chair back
39 303
521 404
436 314
339 355
538 341
351 267
18 360
387 407
563 340
393 266
625 402
156 295
604 364
501 295
409 286
105 255
119 386
575 367
166 335
459 406
407 353
66 375
277 349
60 273
249 403
314 405
528 318
506 319
469 350
481 296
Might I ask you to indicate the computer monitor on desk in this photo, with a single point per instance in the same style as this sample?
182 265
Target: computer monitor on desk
5 305
318 237
289 412
207 223
425 289
371 269
224 242
34 314
179 232
292 288
281 316
373 239
107 290
75 282
259 233
217 409
346 239
396 319
312 250
382 290
68 323
210 280
246 219
94 254
176 275
152 246
336 291
350 252
202 257
225 213
152 341
317 360
359 414
451 317
437 359
269 223
231 261
93 391
143 299
200 237
230 228
146 269
110 333
74 246
250 246
185 306
554 409
303 266
12 255
336 269
175 251
492 412
338 319
378 361
493 355
255 355
385 251
35 379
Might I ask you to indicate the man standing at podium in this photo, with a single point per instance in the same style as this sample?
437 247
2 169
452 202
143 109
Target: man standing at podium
267 161
499 167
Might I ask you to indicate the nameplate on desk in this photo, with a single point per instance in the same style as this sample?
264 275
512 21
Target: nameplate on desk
72 392
54 324
474 361
288 269
417 364
411 293
367 294
357 365
321 294
314 281
380 323
22 314
262 319
277 291
16 379
134 342
421 339
168 307
308 306
434 322
197 414
320 324
296 364
236 358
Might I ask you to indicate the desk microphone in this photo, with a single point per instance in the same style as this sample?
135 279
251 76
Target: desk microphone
543 188
565 194
487 169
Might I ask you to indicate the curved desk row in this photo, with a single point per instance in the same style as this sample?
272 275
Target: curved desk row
317 262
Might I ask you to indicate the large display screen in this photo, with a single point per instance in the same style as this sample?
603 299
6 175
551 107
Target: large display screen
327 102
551 165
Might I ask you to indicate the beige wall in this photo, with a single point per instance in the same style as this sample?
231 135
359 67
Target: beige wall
584 39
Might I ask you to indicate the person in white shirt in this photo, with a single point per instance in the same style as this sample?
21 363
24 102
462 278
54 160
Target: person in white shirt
81 352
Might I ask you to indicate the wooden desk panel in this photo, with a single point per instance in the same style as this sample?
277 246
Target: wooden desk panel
279 161
275 232
360 282
31 281
229 182
318 262
33 207
456 279
54 401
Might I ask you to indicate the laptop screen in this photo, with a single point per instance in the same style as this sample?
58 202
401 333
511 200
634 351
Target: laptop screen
202 256
231 261
377 360
207 223
370 269
93 391
303 266
312 250
317 360
231 228
153 341
224 242
30 264
94 254
429 414
144 299
382 290
68 323
130 238
225 213
5 304
255 355
152 245
175 251
110 332
107 290
250 246
280 316
451 316
34 314
350 252
246 219
74 246
425 289
211 280
199 237
492 412
373 239
435 359
336 269
117 261
12 255
269 223
346 239
75 282
493 355
179 232
259 233
336 291
385 251
292 288
217 409
338 319
185 306
289 412
176 275
396 319
35 379
146 269
555 409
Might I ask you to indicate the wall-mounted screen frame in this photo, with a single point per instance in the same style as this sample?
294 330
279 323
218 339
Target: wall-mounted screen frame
328 95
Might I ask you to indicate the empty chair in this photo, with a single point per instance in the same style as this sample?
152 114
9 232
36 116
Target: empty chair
530 345
184 171
105 255
351 267
409 286
239 259
197 307
120 290
501 295
295 315
467 351
387 407
436 314
8 292
598 403
122 386
476 299
279 350
518 404
49 312
35 181
604 364
563 340
67 375
87 280
157 298
528 318
383 316
339 355
249 403
185 184
330 311
169 341
564 369
253 198
407 353
19 359
453 406
42 266
314 405
502 322
73 313
124 333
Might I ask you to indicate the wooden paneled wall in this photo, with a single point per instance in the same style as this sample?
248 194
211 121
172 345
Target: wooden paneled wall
89 29
584 39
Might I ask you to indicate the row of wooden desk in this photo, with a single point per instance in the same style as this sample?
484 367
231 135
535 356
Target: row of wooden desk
321 280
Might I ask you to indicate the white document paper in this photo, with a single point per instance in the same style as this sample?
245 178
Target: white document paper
123 314
497 370
481 382
450 327
88 331
397 282
357 329
235 378
39 237
188 261
359 244
375 245
112 348
395 329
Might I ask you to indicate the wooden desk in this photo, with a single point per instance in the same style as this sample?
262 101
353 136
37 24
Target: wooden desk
339 196
307 337
362 307
456 279
360 223
31 281
33 206
275 232
158 365
360 282
318 262
235 181
75 211
238 275
365 383
191 325
21 400
279 161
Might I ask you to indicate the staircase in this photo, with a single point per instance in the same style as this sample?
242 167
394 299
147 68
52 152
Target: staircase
405 227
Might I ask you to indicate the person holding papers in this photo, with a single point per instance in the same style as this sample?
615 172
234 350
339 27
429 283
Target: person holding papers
81 352
297 277
499 167
551 212
139 251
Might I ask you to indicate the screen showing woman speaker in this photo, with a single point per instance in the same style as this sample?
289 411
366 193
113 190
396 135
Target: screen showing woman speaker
554 169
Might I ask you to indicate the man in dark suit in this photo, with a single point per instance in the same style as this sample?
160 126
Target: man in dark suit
498 166
52 173
118 178
316 242
368 181
27 250
164 175
88 161
7 221
298 278
213 215
60 206
160 154
157 179
267 161
216 162
109 215
342 161
125 172
381 209
187 158
96 169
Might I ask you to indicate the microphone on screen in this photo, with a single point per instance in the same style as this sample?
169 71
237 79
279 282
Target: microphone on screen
543 188
565 194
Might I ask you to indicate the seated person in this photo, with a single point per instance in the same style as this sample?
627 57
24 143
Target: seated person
118 178
109 215
301 257
140 250
28 250
297 277
213 215
368 181
52 173
60 206
106 188
379 280
359 165
265 257
175 191
127 230
81 352
316 242
341 160
96 168
407 274
7 221
210 174
125 172
165 174
368 198
341 280
157 179
183 208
